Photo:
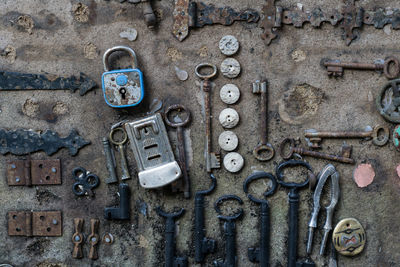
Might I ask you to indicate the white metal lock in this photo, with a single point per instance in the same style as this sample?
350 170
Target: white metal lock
122 88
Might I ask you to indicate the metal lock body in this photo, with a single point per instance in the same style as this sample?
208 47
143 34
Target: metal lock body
122 88
155 160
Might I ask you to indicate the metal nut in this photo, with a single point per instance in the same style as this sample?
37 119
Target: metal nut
230 68
228 45
233 162
229 94
229 118
228 141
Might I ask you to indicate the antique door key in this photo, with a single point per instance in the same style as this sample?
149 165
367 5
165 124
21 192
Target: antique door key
170 259
345 156
336 68
120 144
213 160
264 150
293 206
229 231
122 88
261 254
314 137
202 245
179 184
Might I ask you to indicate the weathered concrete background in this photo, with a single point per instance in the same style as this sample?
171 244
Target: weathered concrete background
56 44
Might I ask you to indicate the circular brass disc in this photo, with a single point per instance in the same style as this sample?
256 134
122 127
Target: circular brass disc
349 237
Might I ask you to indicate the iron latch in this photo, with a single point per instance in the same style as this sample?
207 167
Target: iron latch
34 172
37 223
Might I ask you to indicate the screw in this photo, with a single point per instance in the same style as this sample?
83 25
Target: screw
54 170
13 166
17 179
55 222
77 238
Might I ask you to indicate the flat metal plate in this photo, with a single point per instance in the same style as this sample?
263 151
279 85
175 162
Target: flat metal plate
16 174
19 223
47 223
46 172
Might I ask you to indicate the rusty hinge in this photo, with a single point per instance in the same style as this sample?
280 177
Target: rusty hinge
36 223
34 172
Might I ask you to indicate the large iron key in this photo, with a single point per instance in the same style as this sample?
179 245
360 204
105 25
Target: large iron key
120 144
229 232
213 160
314 137
345 156
293 206
185 184
336 68
264 150
170 259
202 245
261 254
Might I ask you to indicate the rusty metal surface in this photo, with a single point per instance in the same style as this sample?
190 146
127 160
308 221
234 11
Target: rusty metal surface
34 172
37 223
181 19
27 81
22 142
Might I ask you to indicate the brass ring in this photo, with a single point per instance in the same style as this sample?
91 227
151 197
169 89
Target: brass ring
375 135
286 141
206 65
264 148
124 139
177 107
386 67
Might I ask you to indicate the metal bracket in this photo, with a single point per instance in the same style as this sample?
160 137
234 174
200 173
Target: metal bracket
348 17
33 172
189 14
28 81
22 142
37 223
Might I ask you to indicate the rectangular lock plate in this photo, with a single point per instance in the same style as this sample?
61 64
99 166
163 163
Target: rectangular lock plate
34 172
153 153
37 223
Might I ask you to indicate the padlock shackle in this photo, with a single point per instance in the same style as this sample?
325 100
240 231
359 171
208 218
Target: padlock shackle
119 48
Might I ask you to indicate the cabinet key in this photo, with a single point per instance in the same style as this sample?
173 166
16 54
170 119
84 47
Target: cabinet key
120 144
314 137
335 68
345 156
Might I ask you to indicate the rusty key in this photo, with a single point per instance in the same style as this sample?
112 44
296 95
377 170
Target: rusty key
314 137
264 150
94 239
213 160
336 68
345 156
179 125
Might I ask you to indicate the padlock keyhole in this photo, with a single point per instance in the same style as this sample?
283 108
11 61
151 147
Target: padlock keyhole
122 91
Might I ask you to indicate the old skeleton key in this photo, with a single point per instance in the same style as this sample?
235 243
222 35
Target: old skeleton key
229 231
202 245
328 172
261 254
264 150
120 144
335 68
179 184
345 156
213 160
314 137
293 205
170 259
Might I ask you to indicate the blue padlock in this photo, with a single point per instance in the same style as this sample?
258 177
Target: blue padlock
122 88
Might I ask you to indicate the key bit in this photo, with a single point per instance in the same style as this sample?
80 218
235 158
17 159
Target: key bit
328 172
94 239
77 239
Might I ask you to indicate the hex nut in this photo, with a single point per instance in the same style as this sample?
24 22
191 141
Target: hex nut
229 94
228 141
229 118
233 162
230 68
228 45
